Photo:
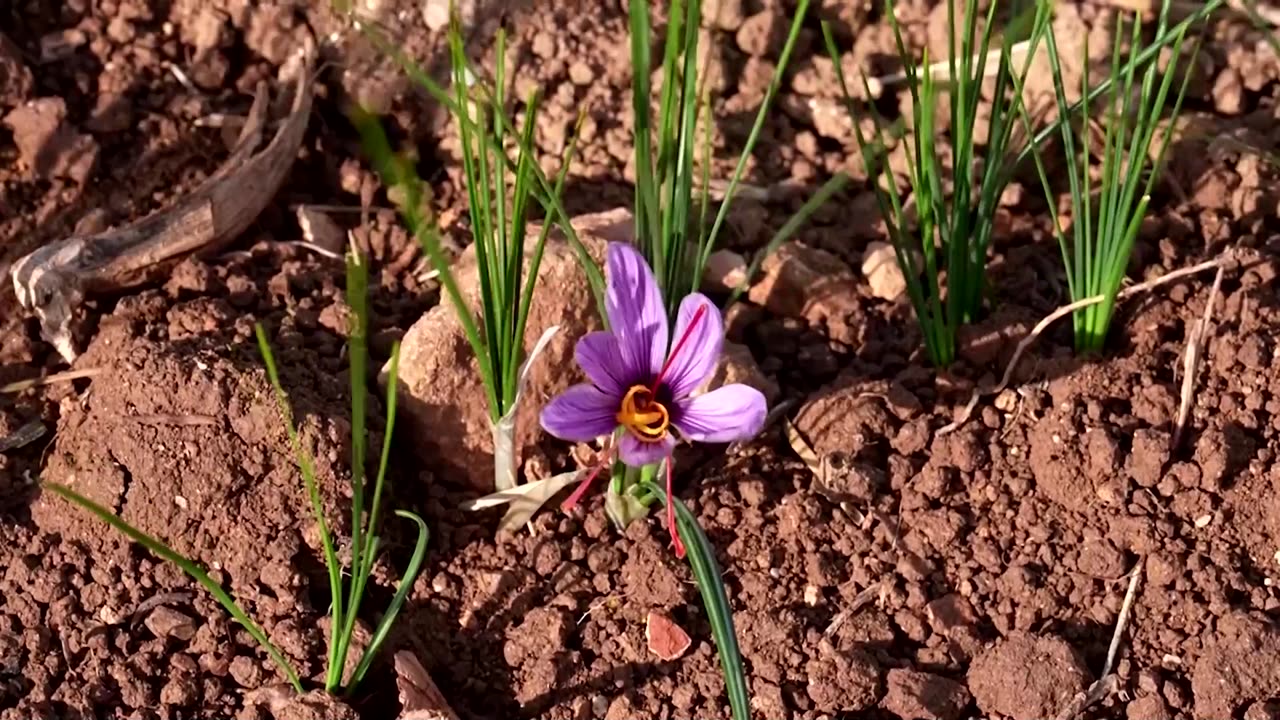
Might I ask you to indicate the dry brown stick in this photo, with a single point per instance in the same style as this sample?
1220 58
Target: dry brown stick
1192 359
1106 683
54 279
66 376
1067 310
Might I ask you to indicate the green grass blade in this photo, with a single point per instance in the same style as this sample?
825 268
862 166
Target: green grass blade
715 600
802 9
535 263
546 196
307 468
1149 53
389 169
397 601
190 568
357 298
375 507
362 563
646 194
887 197
789 228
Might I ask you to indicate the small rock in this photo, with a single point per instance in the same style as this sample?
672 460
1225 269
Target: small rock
913 695
542 633
1100 559
439 386
580 73
1027 677
666 639
880 268
1150 452
848 481
206 31
165 622
841 682
1147 707
47 146
737 365
950 612
435 13
1263 710
723 14
725 271
767 701
761 34
246 671
180 691
1228 92
121 30
803 282
621 709
315 705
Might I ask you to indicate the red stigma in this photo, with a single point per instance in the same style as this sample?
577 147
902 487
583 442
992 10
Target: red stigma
684 338
671 511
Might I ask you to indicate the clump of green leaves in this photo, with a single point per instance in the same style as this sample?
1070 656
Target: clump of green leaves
500 193
345 596
1106 214
672 232
951 232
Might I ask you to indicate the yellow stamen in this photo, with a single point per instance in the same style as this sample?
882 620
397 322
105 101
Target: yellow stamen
643 416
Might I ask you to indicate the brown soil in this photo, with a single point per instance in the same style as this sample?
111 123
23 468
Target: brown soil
976 573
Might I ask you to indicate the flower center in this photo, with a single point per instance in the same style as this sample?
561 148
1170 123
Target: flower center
643 416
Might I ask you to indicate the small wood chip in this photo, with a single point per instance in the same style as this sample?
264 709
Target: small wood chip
420 699
666 639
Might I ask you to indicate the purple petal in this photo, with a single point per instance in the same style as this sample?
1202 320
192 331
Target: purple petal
580 414
695 353
600 358
733 412
636 314
637 453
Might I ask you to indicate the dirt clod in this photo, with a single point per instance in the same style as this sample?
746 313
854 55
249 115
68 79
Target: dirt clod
911 695
1027 676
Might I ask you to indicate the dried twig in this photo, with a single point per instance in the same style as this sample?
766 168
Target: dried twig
1063 311
1106 683
53 280
939 70
178 420
1192 359
20 385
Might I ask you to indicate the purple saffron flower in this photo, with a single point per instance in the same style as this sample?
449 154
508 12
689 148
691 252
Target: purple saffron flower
636 384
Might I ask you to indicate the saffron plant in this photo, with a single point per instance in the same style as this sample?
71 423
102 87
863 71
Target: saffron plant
951 234
345 597
499 199
642 395
1105 218
642 387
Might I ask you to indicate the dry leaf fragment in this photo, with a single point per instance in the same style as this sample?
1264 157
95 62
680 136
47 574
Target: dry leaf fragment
420 699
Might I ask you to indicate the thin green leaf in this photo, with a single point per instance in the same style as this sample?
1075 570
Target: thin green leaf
307 468
797 20
397 601
715 600
190 568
